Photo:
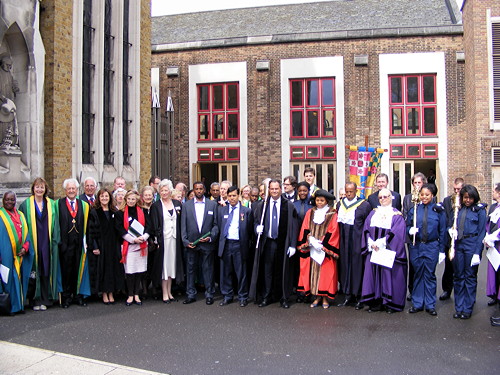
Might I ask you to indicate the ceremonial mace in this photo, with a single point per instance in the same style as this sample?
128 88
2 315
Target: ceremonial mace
456 208
266 190
415 199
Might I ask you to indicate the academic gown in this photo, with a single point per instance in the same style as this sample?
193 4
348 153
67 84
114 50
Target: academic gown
351 262
379 282
321 280
107 273
20 267
65 225
44 231
493 277
287 237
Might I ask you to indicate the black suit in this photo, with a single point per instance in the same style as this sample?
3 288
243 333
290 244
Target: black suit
271 269
84 198
70 247
396 200
204 250
234 251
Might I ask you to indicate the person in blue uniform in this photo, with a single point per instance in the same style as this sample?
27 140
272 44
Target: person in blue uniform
468 236
430 237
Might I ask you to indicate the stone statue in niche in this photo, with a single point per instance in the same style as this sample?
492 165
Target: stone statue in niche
8 90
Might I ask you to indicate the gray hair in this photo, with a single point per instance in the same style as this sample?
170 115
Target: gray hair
119 190
229 183
90 178
166 182
70 181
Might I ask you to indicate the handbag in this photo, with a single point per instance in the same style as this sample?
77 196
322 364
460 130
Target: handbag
5 305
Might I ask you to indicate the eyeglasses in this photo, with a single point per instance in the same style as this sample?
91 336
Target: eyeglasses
384 196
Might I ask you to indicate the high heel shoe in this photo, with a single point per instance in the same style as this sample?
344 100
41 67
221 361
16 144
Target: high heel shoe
138 303
127 303
166 301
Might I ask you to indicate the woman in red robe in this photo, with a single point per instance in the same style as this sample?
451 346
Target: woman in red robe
319 250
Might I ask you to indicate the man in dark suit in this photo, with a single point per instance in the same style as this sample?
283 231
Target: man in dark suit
199 218
447 280
290 188
236 225
73 219
89 188
382 181
278 240
154 182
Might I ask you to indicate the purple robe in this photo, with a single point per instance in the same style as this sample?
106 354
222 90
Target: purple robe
387 284
493 278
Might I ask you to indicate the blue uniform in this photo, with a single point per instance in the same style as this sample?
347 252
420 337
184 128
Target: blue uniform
430 241
466 245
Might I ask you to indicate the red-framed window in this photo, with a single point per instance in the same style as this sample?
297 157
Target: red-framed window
219 154
412 105
218 111
312 152
414 151
312 108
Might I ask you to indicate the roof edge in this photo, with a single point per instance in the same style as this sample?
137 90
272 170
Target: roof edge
309 37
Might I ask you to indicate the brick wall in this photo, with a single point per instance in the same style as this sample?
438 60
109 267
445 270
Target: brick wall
56 28
477 170
362 97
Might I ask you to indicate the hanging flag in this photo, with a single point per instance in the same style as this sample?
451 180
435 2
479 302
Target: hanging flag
170 104
363 166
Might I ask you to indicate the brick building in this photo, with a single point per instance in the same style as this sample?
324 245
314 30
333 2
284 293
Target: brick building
267 91
97 92
89 63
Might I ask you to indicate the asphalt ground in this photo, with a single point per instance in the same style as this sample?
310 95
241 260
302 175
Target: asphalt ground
201 339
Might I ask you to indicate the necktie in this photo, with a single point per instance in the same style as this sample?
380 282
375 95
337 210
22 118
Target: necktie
461 224
274 222
423 237
228 222
91 200
72 205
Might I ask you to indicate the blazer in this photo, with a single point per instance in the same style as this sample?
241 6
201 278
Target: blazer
65 221
245 221
189 224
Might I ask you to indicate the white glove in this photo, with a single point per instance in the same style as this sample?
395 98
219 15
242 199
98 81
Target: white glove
381 243
315 243
371 243
490 239
442 257
291 252
259 229
475 260
413 230
453 233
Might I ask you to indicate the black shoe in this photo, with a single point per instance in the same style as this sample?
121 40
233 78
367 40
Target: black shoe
414 310
225 302
445 295
492 302
347 302
82 301
138 303
465 316
495 323
375 308
128 303
264 303
432 312
390 311
166 301
285 304
65 305
457 315
187 301
495 319
300 299
209 301
243 303
408 297
359 306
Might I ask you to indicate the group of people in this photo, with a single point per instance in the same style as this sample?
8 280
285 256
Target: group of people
262 244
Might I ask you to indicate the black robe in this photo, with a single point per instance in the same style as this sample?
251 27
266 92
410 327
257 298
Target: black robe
106 272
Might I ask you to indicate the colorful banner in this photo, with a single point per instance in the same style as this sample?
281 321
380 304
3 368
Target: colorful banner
363 166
